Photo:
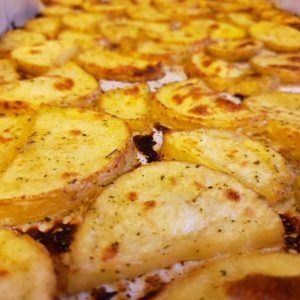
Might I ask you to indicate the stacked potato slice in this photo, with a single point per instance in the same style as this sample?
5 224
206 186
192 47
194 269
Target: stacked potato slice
89 89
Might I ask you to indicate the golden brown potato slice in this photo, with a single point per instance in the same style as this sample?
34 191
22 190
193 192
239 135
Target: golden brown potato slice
191 104
39 59
65 86
26 269
276 36
217 73
8 72
110 65
285 66
146 12
56 10
226 31
241 19
109 9
163 213
71 3
256 165
297 191
69 157
234 50
129 104
247 276
284 131
275 100
16 120
48 26
15 38
82 21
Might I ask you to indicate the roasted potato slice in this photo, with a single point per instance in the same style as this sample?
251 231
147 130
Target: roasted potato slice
39 59
275 100
65 86
284 131
68 3
242 19
69 156
14 38
285 66
146 12
234 50
129 104
191 104
104 64
82 21
247 276
56 10
256 165
217 73
26 269
8 72
110 9
163 213
16 119
226 31
297 191
277 37
48 26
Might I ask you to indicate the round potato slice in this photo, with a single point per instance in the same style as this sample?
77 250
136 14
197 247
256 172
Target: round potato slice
48 26
69 157
285 66
234 50
277 37
252 276
26 269
110 65
163 213
191 104
256 165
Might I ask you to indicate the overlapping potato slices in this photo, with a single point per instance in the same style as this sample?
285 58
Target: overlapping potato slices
285 66
56 10
69 156
48 26
191 104
27 271
82 21
277 37
104 64
14 38
110 9
242 19
180 211
234 50
16 119
256 165
247 276
130 104
39 59
146 12
8 72
65 86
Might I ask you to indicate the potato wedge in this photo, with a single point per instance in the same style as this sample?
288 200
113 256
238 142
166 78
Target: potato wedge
53 173
39 59
48 26
129 104
274 100
16 120
8 72
284 131
234 50
277 37
14 38
285 66
247 276
256 165
27 271
65 86
191 104
163 213
110 65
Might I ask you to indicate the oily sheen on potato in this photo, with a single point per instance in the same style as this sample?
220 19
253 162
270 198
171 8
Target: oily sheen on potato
163 213
255 164
69 156
27 271
247 276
